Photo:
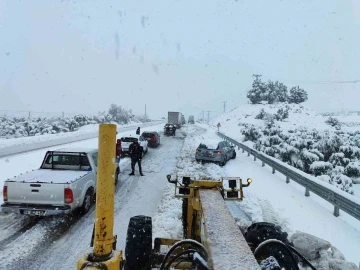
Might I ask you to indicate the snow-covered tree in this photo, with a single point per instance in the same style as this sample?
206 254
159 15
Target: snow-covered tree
297 95
276 92
282 113
258 92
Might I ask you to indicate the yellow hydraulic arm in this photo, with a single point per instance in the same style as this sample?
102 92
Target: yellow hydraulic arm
104 254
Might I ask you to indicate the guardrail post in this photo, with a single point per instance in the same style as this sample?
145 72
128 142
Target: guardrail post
273 170
248 154
336 211
254 158
307 192
238 147
243 150
263 164
287 179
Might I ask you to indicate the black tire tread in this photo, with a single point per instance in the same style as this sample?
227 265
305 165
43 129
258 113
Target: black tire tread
138 246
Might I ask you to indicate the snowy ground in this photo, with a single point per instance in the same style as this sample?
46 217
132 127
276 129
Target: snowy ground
268 199
57 242
23 144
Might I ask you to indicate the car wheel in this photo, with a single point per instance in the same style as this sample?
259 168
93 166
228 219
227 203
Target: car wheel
234 155
85 207
223 162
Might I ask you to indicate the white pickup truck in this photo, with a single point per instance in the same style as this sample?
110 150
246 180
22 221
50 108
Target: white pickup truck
65 181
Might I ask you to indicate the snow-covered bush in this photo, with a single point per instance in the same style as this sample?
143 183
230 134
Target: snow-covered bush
282 114
343 182
339 159
261 114
251 133
320 167
307 159
332 121
20 127
350 152
297 95
352 169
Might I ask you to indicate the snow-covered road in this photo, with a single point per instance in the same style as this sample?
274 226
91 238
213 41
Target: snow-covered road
57 242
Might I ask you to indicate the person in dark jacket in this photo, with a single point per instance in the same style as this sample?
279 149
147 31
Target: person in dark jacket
136 152
138 131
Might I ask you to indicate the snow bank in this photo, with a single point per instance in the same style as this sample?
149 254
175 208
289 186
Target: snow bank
20 145
269 199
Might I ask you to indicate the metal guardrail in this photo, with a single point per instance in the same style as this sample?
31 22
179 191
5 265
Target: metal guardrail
339 198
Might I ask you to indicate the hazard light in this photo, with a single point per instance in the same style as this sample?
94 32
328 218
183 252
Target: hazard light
5 193
68 195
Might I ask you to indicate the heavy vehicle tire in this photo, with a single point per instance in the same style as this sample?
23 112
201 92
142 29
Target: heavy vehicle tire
222 163
88 200
117 176
234 155
138 246
262 231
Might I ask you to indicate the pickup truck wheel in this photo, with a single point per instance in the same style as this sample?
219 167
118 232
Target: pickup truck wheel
138 246
88 199
117 176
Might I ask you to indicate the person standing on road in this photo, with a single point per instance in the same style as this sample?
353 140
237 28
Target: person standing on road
136 152
218 126
138 131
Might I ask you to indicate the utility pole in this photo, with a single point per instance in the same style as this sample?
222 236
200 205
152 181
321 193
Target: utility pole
145 111
203 116
208 116
224 105
257 76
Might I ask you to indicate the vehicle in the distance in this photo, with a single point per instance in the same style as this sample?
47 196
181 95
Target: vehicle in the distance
65 182
152 137
191 120
127 140
169 130
175 119
220 155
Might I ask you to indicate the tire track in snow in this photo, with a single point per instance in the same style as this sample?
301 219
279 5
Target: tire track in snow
70 245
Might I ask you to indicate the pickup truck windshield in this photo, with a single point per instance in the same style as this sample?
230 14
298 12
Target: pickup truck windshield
66 161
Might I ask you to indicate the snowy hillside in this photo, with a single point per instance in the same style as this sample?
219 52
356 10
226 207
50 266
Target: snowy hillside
323 146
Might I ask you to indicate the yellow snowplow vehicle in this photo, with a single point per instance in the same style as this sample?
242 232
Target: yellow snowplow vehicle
212 239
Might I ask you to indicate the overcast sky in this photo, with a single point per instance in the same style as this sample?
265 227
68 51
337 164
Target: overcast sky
81 56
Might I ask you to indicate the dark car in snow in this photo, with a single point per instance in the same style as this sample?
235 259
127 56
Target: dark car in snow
152 137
